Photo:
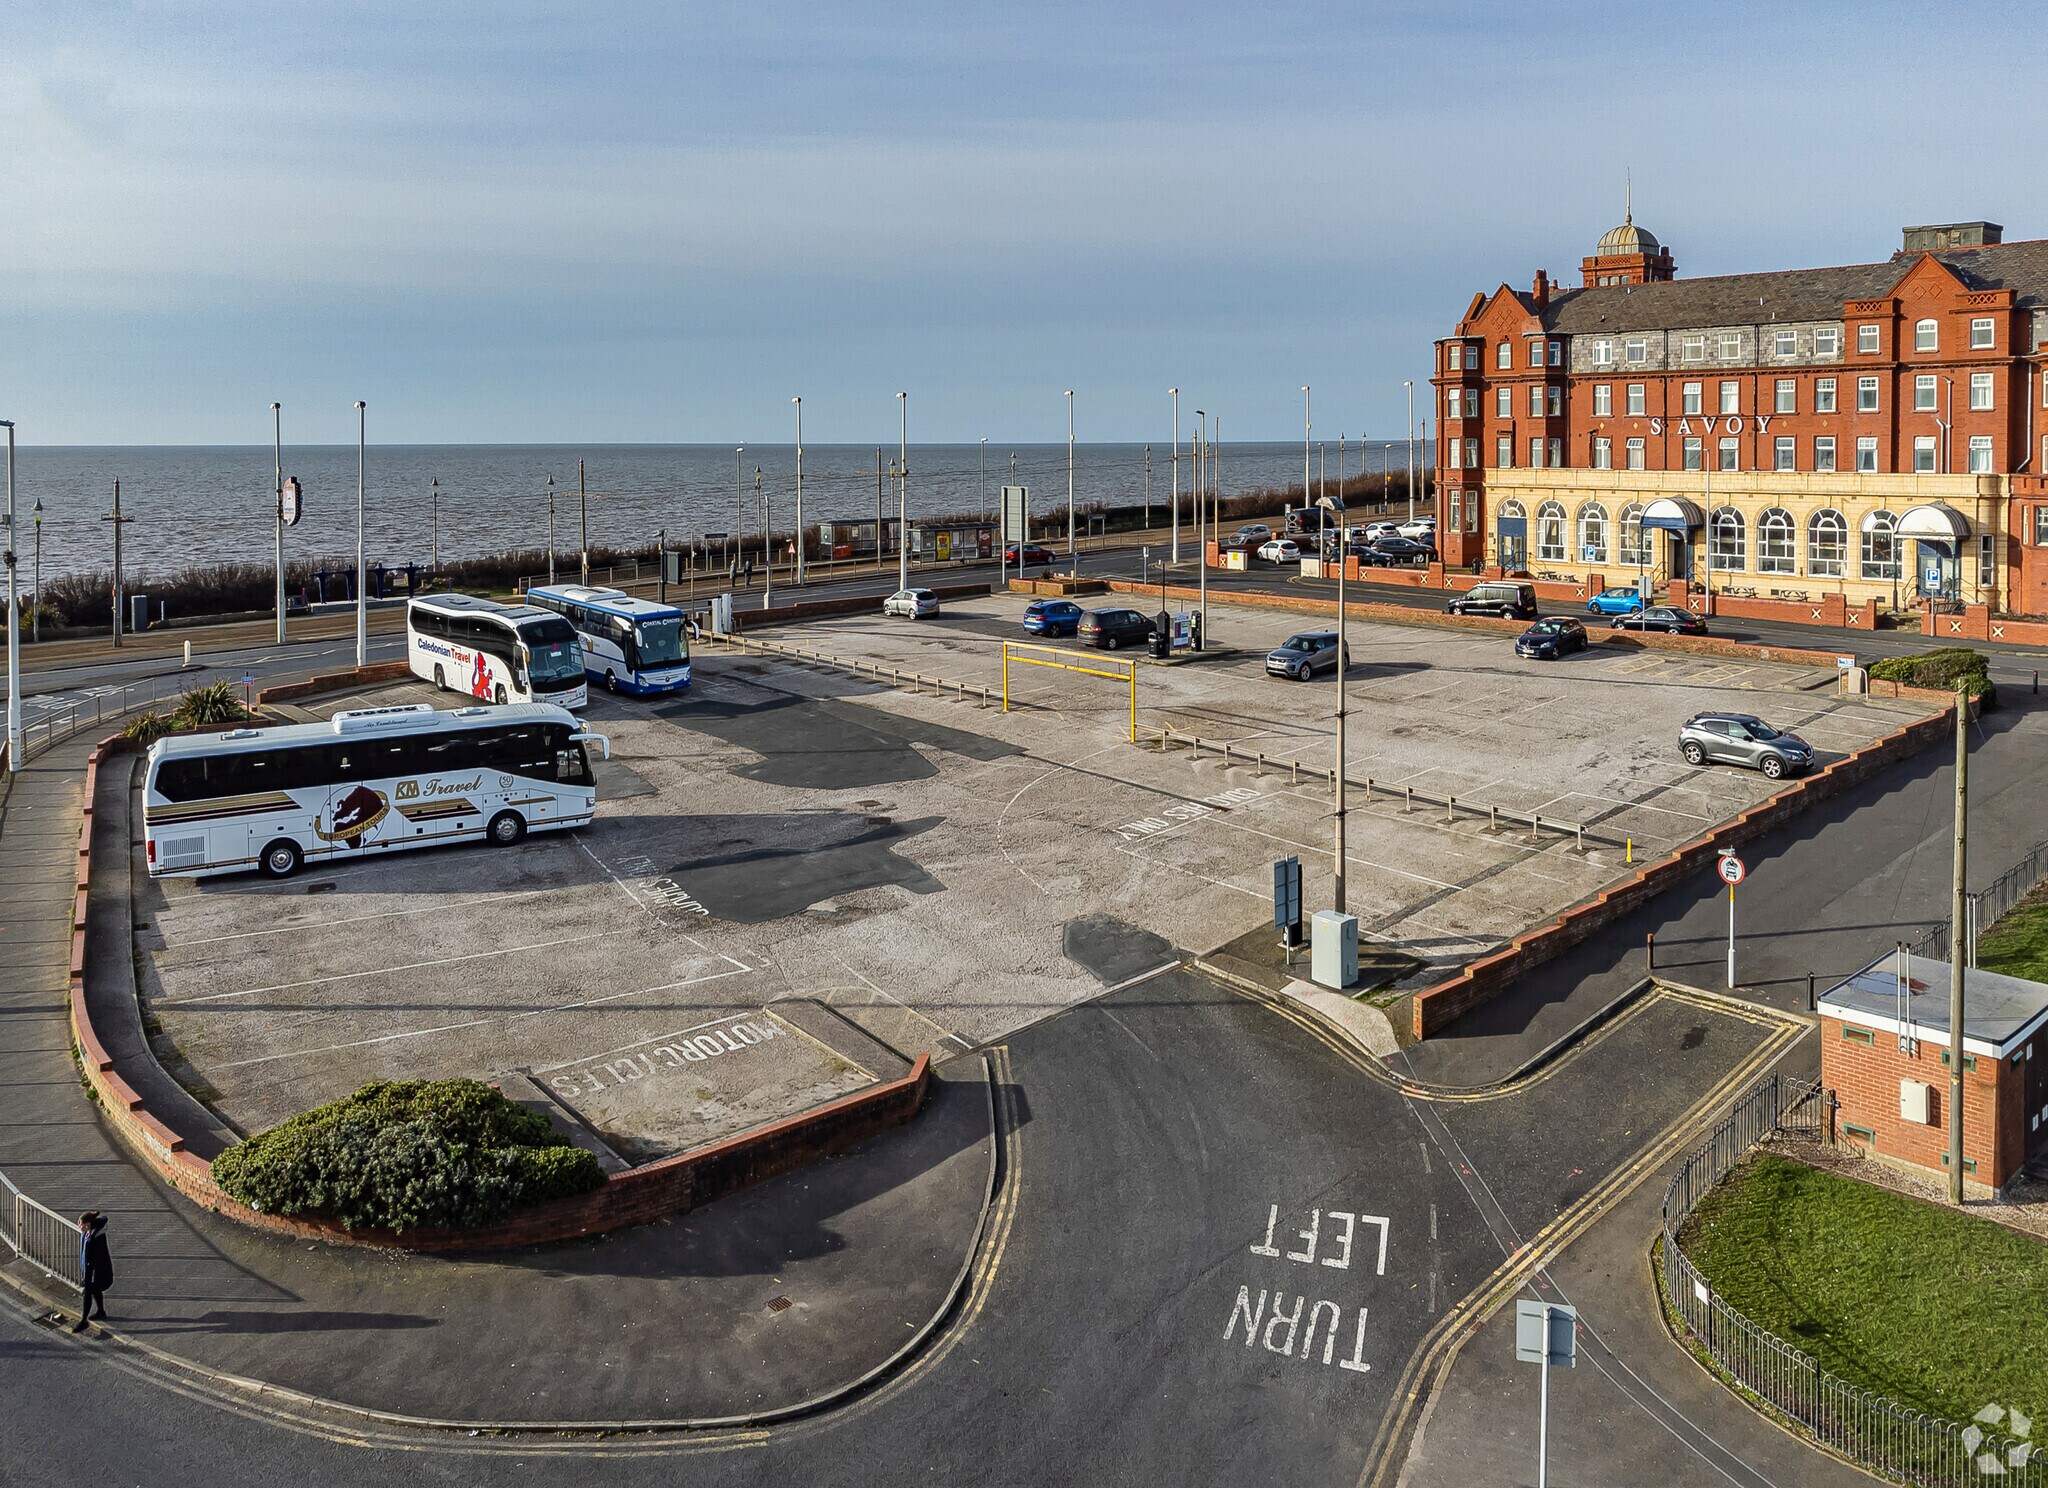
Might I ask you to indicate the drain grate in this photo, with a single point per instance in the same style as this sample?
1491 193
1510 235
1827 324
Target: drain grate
326 887
779 1304
879 821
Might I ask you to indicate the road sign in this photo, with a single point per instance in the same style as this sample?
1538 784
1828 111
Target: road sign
1016 510
1731 870
1529 1329
291 501
1287 898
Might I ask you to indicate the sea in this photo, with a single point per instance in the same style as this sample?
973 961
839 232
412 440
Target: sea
193 505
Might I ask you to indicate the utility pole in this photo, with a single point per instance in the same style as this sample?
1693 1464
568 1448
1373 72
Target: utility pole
767 541
1073 561
119 599
1201 532
878 508
903 501
1957 934
1411 449
362 592
14 620
277 450
1308 496
800 543
1176 473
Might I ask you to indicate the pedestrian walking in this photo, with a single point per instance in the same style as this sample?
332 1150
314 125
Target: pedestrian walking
95 1267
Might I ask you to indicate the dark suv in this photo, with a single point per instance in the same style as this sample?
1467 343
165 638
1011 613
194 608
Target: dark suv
1108 629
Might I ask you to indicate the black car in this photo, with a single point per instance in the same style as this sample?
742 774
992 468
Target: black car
1106 630
1393 551
1667 618
1549 639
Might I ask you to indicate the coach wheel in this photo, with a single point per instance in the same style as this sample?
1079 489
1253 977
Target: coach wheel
498 696
1694 755
282 858
611 681
440 679
507 827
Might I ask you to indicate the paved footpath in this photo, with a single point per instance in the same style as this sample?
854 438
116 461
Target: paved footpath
668 1322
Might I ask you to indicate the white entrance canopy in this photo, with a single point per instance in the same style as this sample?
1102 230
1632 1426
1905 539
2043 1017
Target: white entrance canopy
1937 522
1672 514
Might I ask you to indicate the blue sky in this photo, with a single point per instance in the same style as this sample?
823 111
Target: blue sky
527 222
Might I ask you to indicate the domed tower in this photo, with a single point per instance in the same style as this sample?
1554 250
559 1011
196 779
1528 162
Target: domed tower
1627 255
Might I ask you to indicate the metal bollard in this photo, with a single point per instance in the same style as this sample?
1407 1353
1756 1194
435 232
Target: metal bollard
1368 790
1294 772
1650 950
1450 810
1535 827
1809 994
1226 755
1407 798
1582 836
1260 762
1493 818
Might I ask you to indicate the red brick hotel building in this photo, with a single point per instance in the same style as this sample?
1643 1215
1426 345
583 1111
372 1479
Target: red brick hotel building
1877 431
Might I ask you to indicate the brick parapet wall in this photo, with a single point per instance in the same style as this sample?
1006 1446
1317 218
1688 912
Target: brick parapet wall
858 604
369 676
671 1186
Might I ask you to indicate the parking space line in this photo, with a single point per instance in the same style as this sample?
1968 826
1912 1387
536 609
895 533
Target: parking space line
345 976
394 914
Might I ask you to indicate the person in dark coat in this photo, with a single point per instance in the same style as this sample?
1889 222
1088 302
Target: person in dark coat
95 1266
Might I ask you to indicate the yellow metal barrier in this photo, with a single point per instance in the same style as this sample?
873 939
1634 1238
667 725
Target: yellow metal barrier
1068 661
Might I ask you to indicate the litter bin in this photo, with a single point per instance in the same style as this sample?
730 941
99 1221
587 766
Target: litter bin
1162 635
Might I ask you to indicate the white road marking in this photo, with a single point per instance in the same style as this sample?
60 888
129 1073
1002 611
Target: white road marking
347 976
394 914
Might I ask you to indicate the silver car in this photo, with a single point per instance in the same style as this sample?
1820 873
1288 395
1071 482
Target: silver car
1743 739
1302 656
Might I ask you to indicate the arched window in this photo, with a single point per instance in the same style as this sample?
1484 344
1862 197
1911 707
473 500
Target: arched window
1512 511
1926 336
1775 530
1592 533
1635 543
1827 544
1550 532
1880 546
1726 536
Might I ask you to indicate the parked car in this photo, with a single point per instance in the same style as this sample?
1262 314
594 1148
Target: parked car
1508 598
1253 532
1399 550
1302 655
1106 630
1374 531
1422 529
912 604
1018 557
1279 550
1743 739
1667 618
1052 617
1549 639
1616 602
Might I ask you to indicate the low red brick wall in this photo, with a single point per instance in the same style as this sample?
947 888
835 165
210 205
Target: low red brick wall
369 676
1829 609
1435 1007
635 1196
1977 623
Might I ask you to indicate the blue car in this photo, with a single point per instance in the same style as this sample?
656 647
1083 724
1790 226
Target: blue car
1615 602
1052 617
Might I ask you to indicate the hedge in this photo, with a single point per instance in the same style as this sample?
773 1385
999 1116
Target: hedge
1943 669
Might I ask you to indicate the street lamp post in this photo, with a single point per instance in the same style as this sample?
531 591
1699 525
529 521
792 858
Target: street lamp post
582 526
767 541
362 594
1307 495
1176 473
736 545
903 498
1336 509
118 520
800 544
1148 493
434 548
277 511
13 620
1073 560
1411 449
984 478
551 529
35 605
1201 535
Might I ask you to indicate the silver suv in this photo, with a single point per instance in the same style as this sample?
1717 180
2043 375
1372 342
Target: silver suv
1742 739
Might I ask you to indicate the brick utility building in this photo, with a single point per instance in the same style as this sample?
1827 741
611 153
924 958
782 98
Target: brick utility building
1884 1052
1877 432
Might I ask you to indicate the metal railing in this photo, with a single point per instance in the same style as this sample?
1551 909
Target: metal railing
1986 907
960 691
40 1235
69 719
1881 1435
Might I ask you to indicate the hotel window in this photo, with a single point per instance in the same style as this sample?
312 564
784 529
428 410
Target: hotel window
1774 531
1827 545
1471 454
1693 348
1866 340
1603 457
1824 395
1504 452
1827 341
1689 398
1787 396
2041 526
1603 399
1453 358
1866 454
1636 349
1880 546
1824 452
1783 343
1731 454
1503 402
1926 336
1535 400
1694 459
1504 355
1550 532
1731 346
1452 404
1725 540
1535 353
1592 533
1866 395
1535 454
1557 353
1603 353
1923 393
1923 454
1731 397
1980 390
1782 457
1556 401
1635 399
1635 454
1980 454
1557 454
1982 337
1635 543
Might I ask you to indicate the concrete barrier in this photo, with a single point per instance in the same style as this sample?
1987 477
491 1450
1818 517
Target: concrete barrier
369 676
671 1186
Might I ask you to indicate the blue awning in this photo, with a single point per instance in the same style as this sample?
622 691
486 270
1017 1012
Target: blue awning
1672 514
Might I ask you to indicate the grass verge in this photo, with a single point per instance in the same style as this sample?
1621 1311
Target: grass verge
1934 1309
2018 944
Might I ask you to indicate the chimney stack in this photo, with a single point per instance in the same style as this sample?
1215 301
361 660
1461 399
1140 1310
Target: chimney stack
1541 292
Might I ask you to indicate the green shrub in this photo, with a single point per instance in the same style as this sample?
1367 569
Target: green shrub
146 728
1941 669
402 1154
214 703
